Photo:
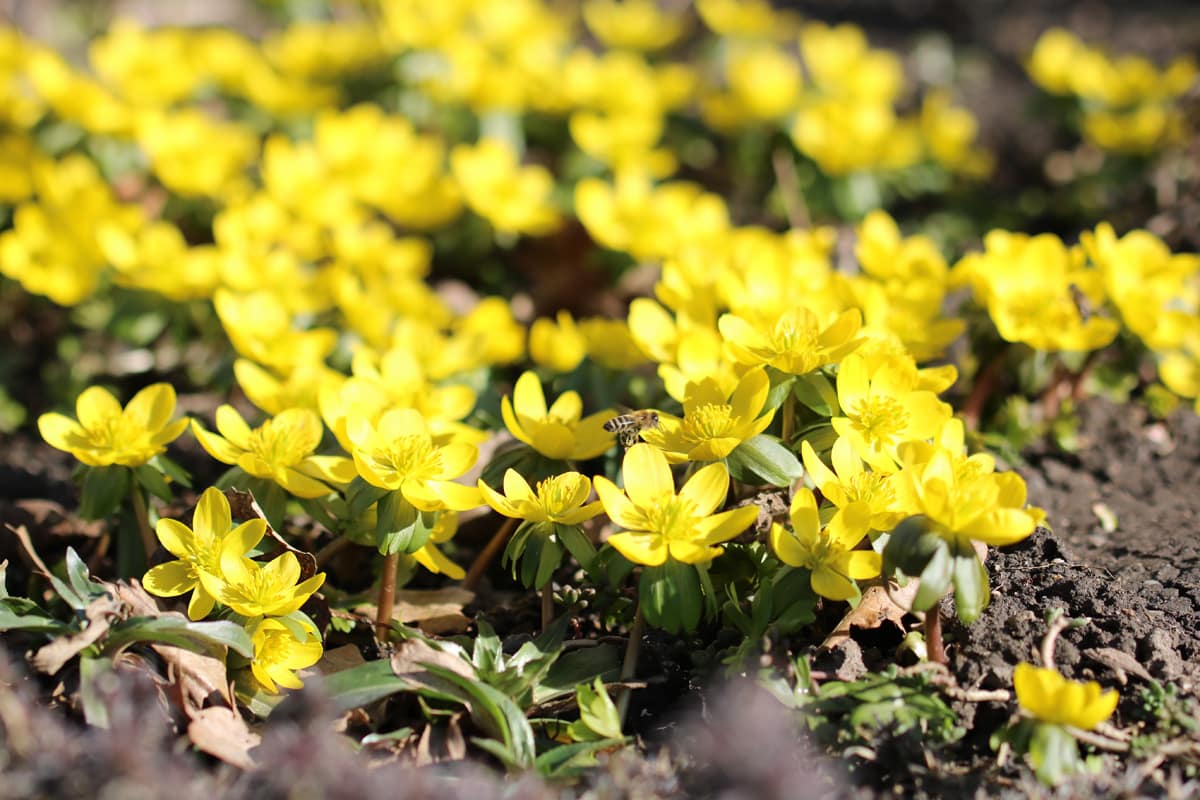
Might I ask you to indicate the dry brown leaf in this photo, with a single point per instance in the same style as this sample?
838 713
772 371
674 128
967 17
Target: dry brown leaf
202 679
221 732
411 655
434 611
51 657
52 518
438 745
1119 662
22 534
242 505
875 608
336 660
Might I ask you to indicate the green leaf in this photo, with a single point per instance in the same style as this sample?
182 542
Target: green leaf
488 654
793 600
361 496
815 391
496 714
20 614
1054 753
180 632
781 384
80 577
670 596
152 481
172 470
971 588
766 457
576 667
567 760
91 672
935 578
577 543
597 710
910 547
104 489
358 686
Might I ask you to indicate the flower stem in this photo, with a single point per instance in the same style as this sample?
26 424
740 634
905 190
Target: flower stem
789 419
985 384
143 519
933 635
387 596
547 604
484 560
629 666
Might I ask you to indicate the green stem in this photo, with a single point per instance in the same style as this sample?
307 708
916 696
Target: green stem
629 666
143 519
387 596
547 604
481 563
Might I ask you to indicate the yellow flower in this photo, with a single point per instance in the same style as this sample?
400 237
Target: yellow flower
107 434
559 499
515 199
559 347
278 654
850 482
400 453
828 553
199 549
433 559
714 423
882 408
610 343
1048 696
280 449
259 590
557 432
795 342
632 24
660 524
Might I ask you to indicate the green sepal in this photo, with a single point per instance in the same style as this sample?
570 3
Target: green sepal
539 558
815 391
764 458
577 543
670 596
360 495
972 591
1054 753
104 489
153 482
910 546
400 527
172 470
935 579
781 384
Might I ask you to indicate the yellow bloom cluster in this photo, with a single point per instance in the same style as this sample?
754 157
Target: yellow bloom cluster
1128 104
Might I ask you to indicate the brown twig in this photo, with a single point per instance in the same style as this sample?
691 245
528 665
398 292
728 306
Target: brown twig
484 560
332 549
387 596
1057 626
789 190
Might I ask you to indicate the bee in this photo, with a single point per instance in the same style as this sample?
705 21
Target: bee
1082 304
629 427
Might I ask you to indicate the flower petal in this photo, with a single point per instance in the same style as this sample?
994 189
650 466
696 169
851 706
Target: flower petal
152 407
498 502
95 406
707 488
647 475
512 423
640 547
212 519
726 525
788 549
567 408
618 507
528 398
61 432
170 579
862 565
231 425
216 446
455 496
831 584
433 560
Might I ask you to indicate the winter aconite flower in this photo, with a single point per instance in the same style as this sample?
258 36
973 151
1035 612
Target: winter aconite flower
259 590
851 482
828 553
658 522
557 432
278 654
795 342
107 434
281 449
1049 697
400 453
198 550
713 423
561 498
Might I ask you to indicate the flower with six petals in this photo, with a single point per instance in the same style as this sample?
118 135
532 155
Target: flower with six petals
107 434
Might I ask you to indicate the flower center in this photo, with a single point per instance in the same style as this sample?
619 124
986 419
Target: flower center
709 421
413 456
872 488
117 433
674 518
792 338
556 494
880 419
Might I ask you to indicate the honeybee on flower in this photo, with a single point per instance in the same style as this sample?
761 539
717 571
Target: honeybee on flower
629 427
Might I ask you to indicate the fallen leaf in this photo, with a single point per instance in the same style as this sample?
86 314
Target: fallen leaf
201 678
876 607
439 744
242 505
221 732
1119 662
410 657
52 518
434 611
336 660
51 657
